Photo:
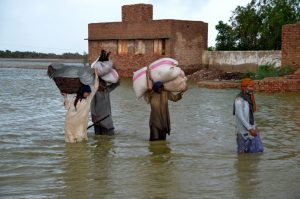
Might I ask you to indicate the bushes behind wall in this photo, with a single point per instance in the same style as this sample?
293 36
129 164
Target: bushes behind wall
268 70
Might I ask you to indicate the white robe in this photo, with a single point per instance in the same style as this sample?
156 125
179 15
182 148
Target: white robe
76 120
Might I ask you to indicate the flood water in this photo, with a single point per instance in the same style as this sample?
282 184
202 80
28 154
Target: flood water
198 160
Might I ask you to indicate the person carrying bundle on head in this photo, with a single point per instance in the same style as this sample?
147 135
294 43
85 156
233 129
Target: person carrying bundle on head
78 108
158 98
101 106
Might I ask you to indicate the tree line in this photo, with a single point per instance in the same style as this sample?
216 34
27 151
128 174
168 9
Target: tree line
257 26
28 54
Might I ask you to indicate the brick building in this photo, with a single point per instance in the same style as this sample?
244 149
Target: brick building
139 40
290 46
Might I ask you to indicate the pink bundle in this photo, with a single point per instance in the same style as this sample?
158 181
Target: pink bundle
163 70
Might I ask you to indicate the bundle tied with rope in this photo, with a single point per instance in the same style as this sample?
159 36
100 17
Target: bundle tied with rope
163 70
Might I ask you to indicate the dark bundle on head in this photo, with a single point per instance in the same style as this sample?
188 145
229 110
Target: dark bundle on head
104 56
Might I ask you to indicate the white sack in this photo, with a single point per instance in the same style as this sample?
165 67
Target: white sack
162 70
165 60
102 67
176 85
111 77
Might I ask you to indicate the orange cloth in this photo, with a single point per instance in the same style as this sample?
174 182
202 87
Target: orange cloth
248 82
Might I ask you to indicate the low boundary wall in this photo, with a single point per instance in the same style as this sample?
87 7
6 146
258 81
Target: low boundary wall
240 61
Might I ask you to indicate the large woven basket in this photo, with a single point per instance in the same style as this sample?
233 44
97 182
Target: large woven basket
65 84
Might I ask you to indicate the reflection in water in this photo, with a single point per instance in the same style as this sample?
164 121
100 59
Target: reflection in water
159 148
247 182
159 179
77 165
88 169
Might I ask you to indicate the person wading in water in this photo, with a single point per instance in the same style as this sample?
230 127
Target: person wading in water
78 108
101 107
159 117
248 138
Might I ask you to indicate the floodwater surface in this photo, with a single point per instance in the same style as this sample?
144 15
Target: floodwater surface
198 160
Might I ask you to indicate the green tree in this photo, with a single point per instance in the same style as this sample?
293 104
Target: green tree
258 25
276 13
246 24
225 38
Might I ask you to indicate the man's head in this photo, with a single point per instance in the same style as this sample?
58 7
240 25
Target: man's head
102 85
158 87
247 85
86 90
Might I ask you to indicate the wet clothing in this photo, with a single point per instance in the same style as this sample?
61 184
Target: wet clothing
243 111
159 117
249 145
251 104
101 108
76 120
99 130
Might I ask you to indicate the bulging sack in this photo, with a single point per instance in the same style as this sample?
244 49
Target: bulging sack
111 77
102 67
162 70
176 85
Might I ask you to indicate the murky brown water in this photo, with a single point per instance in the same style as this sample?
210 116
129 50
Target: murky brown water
198 160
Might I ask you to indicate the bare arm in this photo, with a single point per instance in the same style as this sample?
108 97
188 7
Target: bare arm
96 84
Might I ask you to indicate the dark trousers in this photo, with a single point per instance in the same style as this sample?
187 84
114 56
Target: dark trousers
100 130
156 134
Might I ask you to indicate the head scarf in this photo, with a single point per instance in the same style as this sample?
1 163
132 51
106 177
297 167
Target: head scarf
246 82
157 86
86 88
249 97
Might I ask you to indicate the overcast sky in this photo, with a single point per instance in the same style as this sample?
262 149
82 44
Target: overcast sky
60 26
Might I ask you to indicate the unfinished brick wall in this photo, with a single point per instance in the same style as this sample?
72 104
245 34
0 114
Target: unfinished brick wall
125 64
137 13
271 84
275 84
290 46
184 40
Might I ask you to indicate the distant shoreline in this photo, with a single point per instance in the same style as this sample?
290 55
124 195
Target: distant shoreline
42 60
32 63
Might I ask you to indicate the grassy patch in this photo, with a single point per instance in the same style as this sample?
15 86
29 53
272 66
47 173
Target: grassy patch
268 70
